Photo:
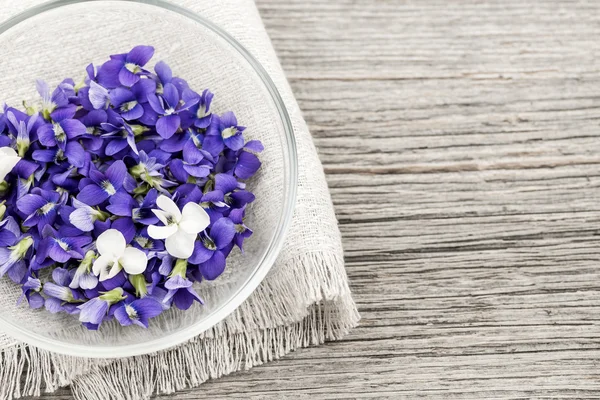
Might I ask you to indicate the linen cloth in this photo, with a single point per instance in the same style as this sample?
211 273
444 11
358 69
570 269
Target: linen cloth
305 300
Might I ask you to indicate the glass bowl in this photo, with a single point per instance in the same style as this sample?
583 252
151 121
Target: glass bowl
58 40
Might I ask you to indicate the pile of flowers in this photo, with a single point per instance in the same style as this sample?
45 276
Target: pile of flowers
118 193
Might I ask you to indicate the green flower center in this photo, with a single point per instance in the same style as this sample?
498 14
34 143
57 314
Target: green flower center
46 208
131 312
108 187
128 106
63 245
59 133
229 132
239 228
201 112
131 67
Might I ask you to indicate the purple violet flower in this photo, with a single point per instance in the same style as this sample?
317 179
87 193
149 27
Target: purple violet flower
100 186
129 102
223 132
12 258
51 101
210 251
138 312
180 291
41 207
60 247
199 115
125 69
242 232
95 310
63 128
31 291
168 106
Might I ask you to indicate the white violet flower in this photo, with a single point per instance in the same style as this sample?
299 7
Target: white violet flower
115 256
8 159
180 227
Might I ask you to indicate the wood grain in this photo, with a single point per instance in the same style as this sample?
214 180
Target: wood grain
462 151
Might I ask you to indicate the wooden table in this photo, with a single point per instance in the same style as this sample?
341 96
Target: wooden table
461 143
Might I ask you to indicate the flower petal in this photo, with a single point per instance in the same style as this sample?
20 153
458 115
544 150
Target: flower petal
198 171
222 232
162 216
98 96
171 95
101 264
111 243
194 218
214 267
163 71
135 113
167 204
156 104
73 128
116 174
30 203
46 135
128 78
148 307
134 261
201 253
247 165
168 125
108 73
225 183
161 232
121 204
115 146
234 142
82 219
140 55
181 244
126 227
120 95
63 113
75 154
122 316
177 169
93 311
92 195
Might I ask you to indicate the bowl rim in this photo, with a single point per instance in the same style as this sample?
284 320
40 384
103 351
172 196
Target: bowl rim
269 257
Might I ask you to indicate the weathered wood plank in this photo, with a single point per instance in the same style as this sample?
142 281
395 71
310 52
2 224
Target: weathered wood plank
461 145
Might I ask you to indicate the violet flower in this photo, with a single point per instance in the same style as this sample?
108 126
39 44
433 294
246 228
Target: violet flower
24 130
63 128
95 310
122 204
61 247
60 298
210 251
129 102
168 106
180 227
223 132
51 101
180 290
102 185
31 291
138 312
242 232
40 207
199 115
125 69
12 258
